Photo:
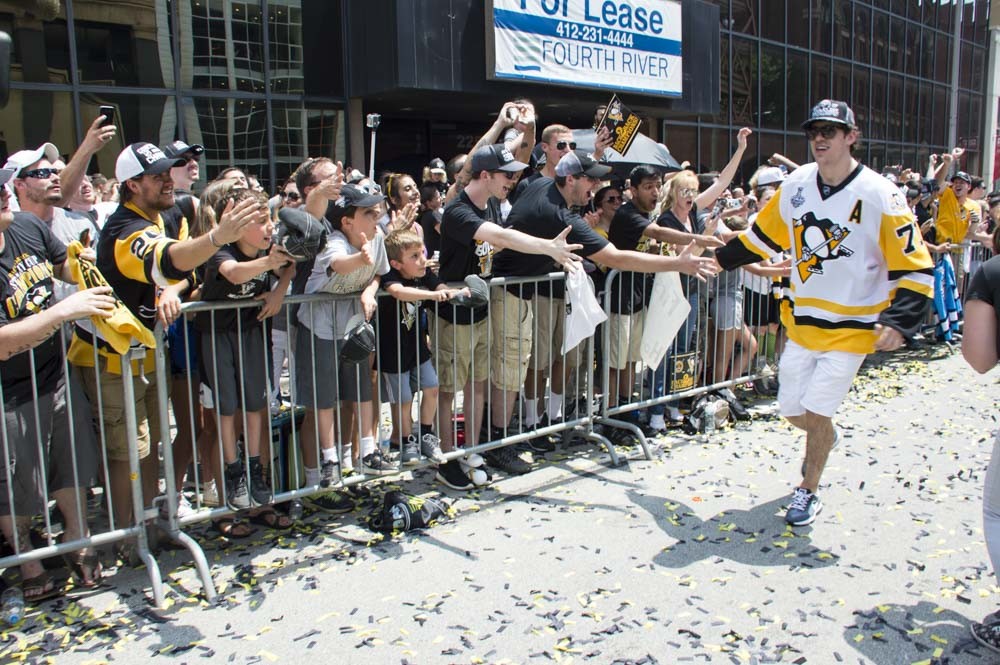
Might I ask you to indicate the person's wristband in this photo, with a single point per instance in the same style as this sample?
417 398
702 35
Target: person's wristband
211 239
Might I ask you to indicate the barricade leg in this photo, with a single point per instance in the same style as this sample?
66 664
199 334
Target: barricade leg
135 477
167 515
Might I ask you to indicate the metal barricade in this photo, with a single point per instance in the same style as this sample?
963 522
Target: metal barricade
684 370
504 424
65 434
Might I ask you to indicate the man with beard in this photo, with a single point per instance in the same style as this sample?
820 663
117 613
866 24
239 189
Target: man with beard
138 259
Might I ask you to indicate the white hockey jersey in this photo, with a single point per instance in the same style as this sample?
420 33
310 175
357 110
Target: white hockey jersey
857 258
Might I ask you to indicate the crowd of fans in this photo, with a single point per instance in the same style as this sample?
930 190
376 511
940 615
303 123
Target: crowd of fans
395 253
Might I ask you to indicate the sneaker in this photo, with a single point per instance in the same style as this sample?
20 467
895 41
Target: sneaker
836 442
329 474
260 489
987 634
736 407
657 422
237 493
675 415
346 466
507 459
430 447
330 502
376 465
184 507
804 508
209 494
411 451
541 444
452 475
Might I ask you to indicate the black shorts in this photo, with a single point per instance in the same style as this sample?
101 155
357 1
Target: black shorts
759 309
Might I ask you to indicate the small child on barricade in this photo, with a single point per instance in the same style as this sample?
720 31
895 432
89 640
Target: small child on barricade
404 356
352 262
232 345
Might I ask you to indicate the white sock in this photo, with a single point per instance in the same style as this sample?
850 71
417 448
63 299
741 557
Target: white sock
367 446
656 421
312 476
530 412
555 406
330 455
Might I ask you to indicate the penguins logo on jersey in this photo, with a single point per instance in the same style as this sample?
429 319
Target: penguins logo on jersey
816 241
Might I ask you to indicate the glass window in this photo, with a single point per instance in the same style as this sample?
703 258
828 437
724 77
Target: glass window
859 98
234 133
722 117
927 53
124 48
798 18
841 80
744 82
862 34
939 128
876 126
682 141
772 87
911 111
965 79
714 149
880 39
876 155
797 149
772 19
798 88
228 46
978 64
820 78
768 143
40 51
915 10
302 131
923 119
942 57
822 25
982 21
963 129
33 117
306 26
744 17
944 14
843 21
911 55
895 109
968 20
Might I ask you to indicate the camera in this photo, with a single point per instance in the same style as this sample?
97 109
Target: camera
732 203
373 120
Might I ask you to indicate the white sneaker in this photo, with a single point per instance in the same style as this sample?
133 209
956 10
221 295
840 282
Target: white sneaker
184 507
675 414
657 422
209 494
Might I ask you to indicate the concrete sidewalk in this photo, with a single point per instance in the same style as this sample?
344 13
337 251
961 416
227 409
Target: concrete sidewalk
685 558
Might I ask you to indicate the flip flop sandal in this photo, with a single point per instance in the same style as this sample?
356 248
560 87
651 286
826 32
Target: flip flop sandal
86 569
229 527
40 587
272 519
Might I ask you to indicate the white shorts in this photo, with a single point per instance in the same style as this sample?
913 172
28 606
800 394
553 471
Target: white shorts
815 381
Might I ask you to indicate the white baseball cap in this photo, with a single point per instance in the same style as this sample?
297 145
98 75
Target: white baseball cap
25 158
139 159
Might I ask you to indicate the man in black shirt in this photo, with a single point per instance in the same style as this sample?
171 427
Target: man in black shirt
35 391
470 234
546 210
184 176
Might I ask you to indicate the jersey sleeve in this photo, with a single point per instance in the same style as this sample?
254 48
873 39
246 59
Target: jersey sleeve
911 271
141 255
767 237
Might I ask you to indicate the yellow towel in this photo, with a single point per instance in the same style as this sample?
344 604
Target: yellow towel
119 328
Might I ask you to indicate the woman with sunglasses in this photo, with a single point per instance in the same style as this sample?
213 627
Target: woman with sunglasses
290 197
607 200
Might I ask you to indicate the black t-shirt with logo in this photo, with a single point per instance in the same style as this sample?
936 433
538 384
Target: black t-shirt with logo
630 290
669 220
541 211
216 287
402 326
30 250
462 254
985 286
525 182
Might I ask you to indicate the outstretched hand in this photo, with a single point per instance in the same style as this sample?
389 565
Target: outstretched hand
562 252
696 266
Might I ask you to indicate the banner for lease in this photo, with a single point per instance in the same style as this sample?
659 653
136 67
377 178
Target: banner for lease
632 45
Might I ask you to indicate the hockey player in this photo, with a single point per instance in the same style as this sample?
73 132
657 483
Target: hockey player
861 281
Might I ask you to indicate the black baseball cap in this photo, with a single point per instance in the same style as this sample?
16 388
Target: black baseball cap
578 162
833 111
962 175
495 158
180 149
436 165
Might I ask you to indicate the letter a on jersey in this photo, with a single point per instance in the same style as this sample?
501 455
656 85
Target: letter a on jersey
816 241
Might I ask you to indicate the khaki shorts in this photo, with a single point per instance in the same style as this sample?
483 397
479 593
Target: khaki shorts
550 320
461 351
625 335
511 324
112 406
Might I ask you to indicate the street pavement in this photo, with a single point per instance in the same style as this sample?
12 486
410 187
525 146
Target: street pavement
684 558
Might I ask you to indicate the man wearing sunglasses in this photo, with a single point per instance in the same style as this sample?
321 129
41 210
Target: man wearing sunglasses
861 282
557 140
183 176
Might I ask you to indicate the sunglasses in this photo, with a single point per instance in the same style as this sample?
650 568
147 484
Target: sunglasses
688 191
613 199
827 131
561 145
291 196
41 174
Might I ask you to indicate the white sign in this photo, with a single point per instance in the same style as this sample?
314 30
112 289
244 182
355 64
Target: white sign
668 310
625 45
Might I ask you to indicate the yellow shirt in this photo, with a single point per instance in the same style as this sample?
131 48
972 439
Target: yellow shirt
953 218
